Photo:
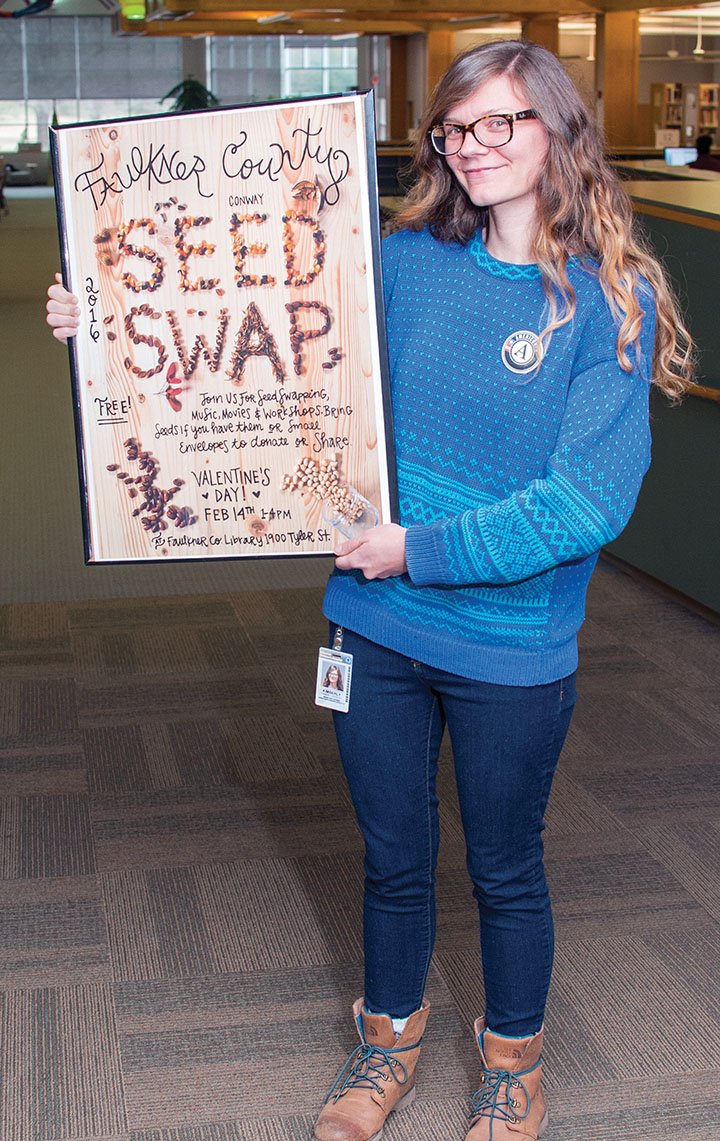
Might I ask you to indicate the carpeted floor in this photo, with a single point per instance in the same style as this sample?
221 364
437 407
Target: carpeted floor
180 872
180 879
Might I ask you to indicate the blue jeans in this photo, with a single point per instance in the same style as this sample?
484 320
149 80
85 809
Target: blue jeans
506 742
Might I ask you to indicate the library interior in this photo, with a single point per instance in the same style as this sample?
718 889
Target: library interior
181 870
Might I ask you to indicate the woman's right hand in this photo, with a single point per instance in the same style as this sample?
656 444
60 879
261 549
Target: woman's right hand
63 312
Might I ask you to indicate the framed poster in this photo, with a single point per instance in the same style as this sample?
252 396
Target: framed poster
229 374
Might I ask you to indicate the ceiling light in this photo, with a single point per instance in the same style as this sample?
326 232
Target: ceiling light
133 9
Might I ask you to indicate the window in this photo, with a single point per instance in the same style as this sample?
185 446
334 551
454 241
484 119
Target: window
75 66
316 66
261 69
245 69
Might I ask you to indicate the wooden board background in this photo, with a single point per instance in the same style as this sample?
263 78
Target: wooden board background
184 458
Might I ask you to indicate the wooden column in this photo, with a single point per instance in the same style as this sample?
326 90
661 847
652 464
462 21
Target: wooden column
399 118
618 76
440 54
543 30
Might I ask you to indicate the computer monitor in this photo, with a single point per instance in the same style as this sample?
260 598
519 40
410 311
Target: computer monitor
680 156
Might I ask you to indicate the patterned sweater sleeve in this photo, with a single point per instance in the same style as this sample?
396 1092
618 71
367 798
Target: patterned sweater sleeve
582 500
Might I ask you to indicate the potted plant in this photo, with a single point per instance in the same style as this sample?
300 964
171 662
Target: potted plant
190 95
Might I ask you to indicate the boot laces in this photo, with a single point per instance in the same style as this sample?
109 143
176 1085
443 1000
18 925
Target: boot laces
368 1066
494 1100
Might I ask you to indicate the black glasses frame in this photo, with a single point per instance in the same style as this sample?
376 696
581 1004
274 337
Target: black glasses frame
510 118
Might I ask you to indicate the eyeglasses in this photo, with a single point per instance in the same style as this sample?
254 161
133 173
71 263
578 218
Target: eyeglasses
488 130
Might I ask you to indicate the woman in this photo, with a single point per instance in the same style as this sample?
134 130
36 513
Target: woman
525 324
333 679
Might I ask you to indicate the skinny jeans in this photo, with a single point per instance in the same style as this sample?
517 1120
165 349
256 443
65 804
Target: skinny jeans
506 741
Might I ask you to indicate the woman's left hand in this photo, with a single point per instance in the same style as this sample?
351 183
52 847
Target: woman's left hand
379 553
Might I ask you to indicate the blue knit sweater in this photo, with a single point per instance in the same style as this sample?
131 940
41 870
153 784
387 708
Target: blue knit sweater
510 477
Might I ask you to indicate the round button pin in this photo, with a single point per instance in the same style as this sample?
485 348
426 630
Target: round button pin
522 352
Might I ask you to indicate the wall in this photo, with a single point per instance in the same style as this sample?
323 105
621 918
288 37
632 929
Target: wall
417 78
674 534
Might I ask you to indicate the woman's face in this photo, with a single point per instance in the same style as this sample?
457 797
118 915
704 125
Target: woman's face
333 677
495 176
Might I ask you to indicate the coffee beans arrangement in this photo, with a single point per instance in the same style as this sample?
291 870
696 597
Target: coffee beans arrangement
243 250
189 361
182 225
156 505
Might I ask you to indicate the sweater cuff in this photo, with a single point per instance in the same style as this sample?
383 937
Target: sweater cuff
425 565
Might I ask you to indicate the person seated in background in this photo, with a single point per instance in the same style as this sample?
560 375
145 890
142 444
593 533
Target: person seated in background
704 160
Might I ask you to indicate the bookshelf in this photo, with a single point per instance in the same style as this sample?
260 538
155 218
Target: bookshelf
667 107
689 109
707 108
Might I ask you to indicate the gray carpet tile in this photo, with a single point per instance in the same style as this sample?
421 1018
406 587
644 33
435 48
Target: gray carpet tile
613 884
624 723
220 823
220 917
293 677
288 612
52 933
649 1109
150 613
295 1128
156 697
304 995
574 811
693 955
198 752
183 651
62 1074
45 836
690 850
270 748
39 626
271 1129
33 662
37 712
629 1001
618 667
659 783
55 946
694 659
615 895
29 770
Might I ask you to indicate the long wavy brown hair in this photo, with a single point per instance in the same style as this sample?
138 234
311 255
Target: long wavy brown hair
582 209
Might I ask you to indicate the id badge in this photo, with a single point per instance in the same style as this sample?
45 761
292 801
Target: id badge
334 675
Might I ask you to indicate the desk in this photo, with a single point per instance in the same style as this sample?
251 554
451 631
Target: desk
657 169
32 169
692 203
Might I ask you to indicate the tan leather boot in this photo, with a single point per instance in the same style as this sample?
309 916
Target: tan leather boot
378 1077
509 1104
